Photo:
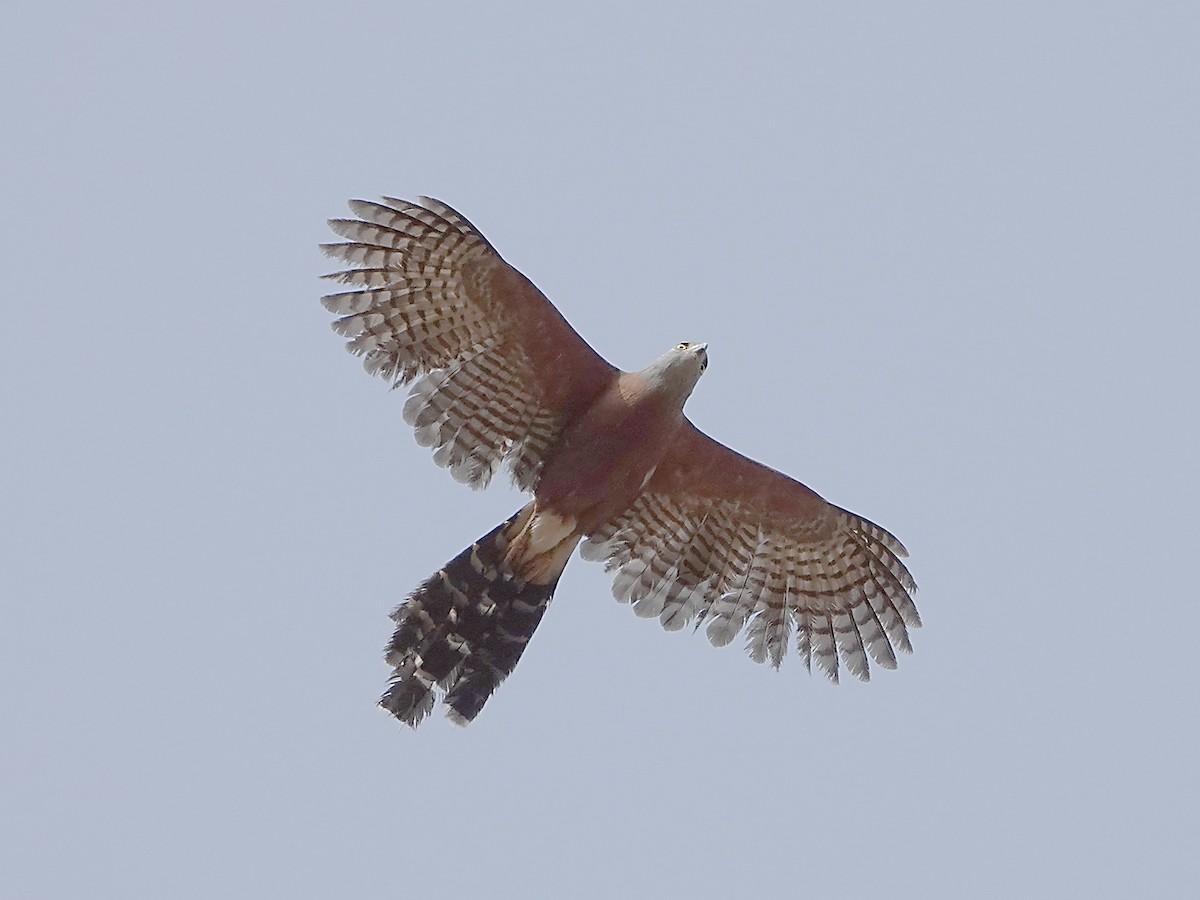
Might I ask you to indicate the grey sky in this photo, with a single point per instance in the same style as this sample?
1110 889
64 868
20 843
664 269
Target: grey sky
945 257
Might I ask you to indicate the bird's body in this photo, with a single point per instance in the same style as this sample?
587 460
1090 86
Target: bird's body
693 530
604 458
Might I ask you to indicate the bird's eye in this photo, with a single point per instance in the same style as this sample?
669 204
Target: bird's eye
682 345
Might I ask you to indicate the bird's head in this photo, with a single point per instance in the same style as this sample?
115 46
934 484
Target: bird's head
678 370
697 353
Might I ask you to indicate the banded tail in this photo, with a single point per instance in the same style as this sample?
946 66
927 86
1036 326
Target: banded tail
463 630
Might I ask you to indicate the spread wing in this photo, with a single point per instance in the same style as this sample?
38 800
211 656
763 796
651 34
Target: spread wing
718 538
497 368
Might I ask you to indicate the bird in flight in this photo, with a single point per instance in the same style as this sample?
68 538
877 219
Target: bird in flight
692 531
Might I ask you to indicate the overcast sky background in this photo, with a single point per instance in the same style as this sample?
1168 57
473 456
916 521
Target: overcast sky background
946 258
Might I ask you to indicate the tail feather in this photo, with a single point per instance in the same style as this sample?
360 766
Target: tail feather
463 630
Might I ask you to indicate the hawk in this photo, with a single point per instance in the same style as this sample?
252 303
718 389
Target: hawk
693 531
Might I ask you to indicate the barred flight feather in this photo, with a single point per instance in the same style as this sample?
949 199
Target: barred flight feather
845 594
422 313
461 633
